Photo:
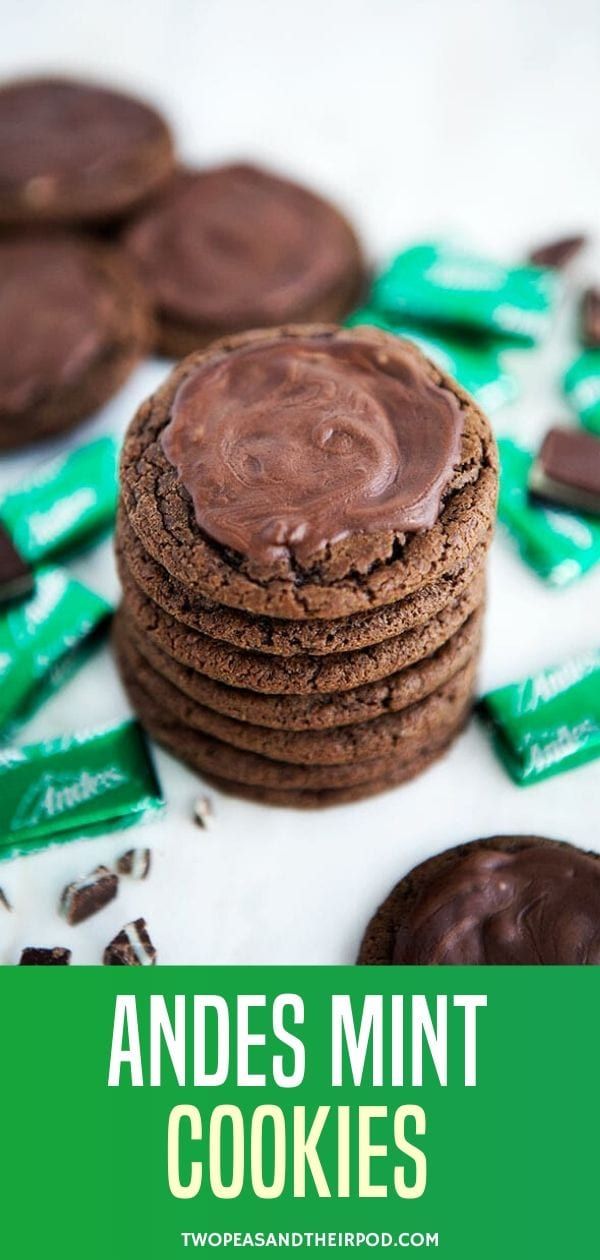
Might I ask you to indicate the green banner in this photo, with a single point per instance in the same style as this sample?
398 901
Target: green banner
171 1111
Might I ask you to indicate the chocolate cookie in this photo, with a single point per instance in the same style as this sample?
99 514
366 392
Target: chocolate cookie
296 798
73 323
236 247
285 637
72 152
309 472
315 712
214 757
505 900
297 675
400 735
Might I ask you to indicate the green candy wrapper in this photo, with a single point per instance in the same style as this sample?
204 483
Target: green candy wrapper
548 723
67 504
582 387
443 284
43 641
475 366
74 787
559 545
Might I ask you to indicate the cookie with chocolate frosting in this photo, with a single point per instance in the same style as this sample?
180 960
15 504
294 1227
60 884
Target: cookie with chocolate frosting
73 324
73 152
309 472
318 711
301 674
515 900
236 247
401 735
215 757
281 637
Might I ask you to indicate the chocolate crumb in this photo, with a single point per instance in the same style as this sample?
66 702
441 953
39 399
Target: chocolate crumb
131 947
203 812
4 900
88 895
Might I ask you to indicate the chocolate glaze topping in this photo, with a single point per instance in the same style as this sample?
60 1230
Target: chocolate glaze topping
57 133
235 247
537 904
55 317
290 443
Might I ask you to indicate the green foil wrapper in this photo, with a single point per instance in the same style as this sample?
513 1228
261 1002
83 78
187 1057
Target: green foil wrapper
548 723
477 367
558 544
582 387
74 787
43 641
442 284
69 503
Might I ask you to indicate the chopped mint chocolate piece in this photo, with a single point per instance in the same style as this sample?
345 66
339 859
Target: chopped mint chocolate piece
88 895
132 947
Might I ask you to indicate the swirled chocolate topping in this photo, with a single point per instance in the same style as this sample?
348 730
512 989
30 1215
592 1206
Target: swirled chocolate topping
236 247
55 315
537 904
58 132
294 442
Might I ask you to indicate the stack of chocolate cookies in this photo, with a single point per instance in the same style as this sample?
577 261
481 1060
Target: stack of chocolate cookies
304 521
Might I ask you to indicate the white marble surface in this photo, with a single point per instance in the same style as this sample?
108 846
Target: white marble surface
418 117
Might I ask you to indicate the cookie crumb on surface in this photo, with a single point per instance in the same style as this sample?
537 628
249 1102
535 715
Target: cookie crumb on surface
203 812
